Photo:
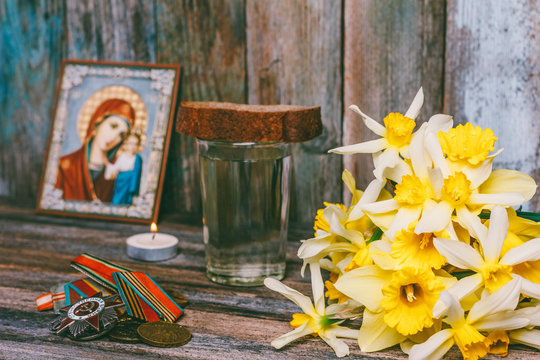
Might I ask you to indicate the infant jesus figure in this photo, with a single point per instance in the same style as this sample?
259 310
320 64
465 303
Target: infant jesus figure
126 170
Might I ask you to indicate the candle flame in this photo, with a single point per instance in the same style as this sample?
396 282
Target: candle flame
153 227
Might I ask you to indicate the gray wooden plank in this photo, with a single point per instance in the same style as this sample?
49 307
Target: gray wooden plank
118 30
208 39
31 48
492 77
391 49
294 57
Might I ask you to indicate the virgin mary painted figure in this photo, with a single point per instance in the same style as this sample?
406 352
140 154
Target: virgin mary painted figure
81 173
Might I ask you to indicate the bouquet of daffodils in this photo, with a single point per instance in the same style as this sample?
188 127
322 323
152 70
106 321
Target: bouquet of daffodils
431 254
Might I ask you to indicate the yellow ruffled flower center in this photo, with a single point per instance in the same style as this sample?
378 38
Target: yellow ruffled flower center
411 191
497 343
417 250
408 300
471 343
495 276
456 189
398 129
467 144
320 222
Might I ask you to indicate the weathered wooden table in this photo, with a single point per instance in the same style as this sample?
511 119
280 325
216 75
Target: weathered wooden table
226 322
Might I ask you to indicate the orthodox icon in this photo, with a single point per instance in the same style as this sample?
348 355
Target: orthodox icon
109 139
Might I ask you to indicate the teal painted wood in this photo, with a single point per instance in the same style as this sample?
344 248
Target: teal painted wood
492 77
208 39
294 57
111 30
31 48
391 49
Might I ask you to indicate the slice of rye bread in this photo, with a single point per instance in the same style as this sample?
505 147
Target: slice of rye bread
241 122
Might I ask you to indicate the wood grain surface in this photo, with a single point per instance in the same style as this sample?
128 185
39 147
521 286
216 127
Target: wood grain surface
391 49
294 57
372 53
226 322
493 77
208 39
31 48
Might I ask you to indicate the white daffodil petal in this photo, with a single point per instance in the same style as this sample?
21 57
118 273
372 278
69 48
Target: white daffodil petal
364 285
464 287
504 299
367 147
506 199
504 321
529 251
498 229
317 285
379 207
370 195
332 210
458 254
477 175
434 348
289 337
383 160
315 246
437 181
529 288
532 313
434 219
472 223
505 181
526 337
369 122
419 157
301 300
398 171
375 335
416 105
343 332
340 348
439 122
434 150
337 228
403 218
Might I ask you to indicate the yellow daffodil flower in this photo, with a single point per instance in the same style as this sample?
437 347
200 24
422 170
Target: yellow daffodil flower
314 320
395 138
417 250
492 313
467 145
492 269
398 302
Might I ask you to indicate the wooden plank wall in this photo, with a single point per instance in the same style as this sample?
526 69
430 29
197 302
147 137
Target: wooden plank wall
373 53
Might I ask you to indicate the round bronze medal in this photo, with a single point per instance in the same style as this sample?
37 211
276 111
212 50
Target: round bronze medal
164 334
125 331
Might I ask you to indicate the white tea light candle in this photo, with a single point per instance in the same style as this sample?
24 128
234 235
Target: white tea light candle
152 246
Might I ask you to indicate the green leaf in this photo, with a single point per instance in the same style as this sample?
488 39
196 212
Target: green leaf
376 235
462 274
529 215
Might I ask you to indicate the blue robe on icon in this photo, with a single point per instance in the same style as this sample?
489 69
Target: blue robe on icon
127 184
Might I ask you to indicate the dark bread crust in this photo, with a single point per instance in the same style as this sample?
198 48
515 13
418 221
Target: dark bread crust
241 122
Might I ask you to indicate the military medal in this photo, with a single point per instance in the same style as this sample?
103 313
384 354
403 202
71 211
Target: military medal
164 334
88 318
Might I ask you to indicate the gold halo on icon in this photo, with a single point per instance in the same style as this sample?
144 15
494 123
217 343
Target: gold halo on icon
114 92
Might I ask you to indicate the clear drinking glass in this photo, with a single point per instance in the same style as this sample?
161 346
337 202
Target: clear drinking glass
245 198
